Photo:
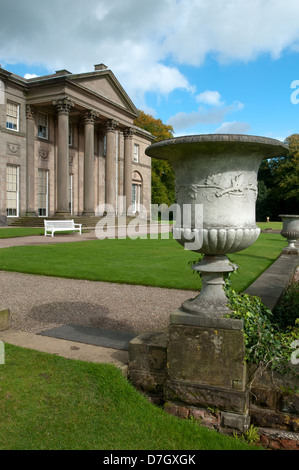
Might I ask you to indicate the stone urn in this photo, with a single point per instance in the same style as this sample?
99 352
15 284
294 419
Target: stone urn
290 231
216 191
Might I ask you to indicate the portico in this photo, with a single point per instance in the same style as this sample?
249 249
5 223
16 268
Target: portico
79 144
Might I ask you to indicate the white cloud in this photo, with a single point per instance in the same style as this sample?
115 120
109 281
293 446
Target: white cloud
208 97
30 75
213 115
232 30
233 127
183 120
153 77
145 43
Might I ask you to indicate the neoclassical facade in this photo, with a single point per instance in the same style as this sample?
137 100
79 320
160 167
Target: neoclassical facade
68 146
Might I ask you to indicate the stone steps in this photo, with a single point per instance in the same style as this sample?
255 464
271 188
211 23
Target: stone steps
89 221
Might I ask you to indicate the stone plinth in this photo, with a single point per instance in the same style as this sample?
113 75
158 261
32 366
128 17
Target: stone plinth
147 364
193 368
215 378
217 355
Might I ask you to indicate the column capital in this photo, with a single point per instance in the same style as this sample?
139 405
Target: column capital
128 133
64 105
111 125
30 112
90 116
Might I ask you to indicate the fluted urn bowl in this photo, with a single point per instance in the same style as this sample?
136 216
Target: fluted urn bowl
216 191
290 231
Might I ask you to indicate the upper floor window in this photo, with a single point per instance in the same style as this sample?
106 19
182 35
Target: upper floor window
42 125
12 116
136 153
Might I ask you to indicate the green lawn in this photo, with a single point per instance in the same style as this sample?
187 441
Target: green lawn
13 232
160 262
272 225
48 402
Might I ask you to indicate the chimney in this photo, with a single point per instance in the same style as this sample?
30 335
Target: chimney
63 72
100 67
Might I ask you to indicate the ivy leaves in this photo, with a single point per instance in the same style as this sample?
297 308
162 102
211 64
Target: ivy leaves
265 343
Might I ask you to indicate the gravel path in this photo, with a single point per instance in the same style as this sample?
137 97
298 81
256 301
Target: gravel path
42 240
38 303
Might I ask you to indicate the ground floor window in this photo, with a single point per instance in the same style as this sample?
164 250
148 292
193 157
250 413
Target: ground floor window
12 191
136 197
43 196
136 191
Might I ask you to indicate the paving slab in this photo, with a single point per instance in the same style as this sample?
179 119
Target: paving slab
272 283
89 335
67 349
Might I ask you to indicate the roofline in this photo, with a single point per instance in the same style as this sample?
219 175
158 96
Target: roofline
144 133
66 76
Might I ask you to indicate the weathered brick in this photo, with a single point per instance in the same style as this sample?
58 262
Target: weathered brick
278 440
177 410
265 398
290 404
271 419
203 396
147 381
288 444
205 417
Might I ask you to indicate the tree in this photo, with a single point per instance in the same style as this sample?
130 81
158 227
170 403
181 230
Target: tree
154 126
279 183
163 179
286 171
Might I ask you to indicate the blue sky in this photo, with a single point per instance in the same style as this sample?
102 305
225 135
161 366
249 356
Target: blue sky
203 66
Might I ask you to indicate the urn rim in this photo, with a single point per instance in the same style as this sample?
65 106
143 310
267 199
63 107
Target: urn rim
266 146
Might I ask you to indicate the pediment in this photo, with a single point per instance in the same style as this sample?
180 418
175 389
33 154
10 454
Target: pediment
106 86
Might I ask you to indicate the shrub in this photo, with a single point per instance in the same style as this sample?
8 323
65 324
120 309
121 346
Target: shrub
286 311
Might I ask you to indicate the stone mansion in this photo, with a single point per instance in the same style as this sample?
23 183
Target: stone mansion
68 146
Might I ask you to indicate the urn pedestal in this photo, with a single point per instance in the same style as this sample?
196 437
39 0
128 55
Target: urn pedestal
216 191
290 231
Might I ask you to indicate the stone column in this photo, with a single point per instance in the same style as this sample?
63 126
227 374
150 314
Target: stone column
63 107
89 119
110 164
30 163
128 156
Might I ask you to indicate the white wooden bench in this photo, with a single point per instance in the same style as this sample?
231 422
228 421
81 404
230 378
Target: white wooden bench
53 226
